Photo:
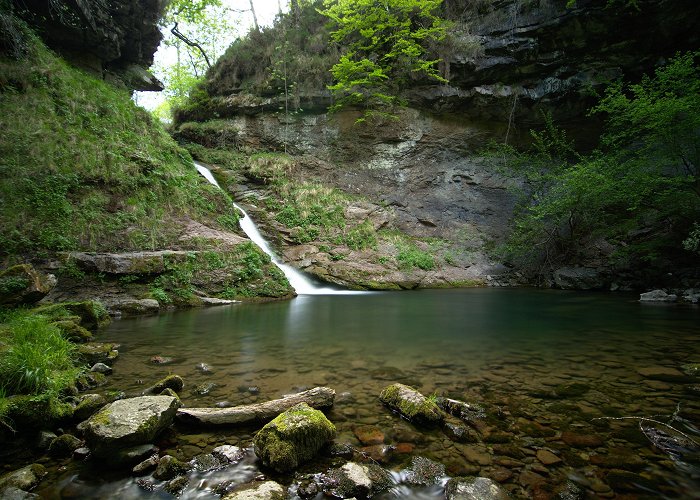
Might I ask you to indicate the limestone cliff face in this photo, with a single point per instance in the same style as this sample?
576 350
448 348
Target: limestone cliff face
114 39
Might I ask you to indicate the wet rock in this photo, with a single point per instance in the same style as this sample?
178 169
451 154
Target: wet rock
81 453
579 278
620 480
204 389
169 392
132 307
161 360
619 459
146 465
424 472
169 467
369 434
547 457
129 422
569 491
531 480
474 488
467 412
43 439
356 480
691 369
177 485
501 474
25 478
475 454
223 404
267 490
101 368
572 390
172 381
227 453
203 367
90 380
98 352
293 438
581 440
64 445
657 296
459 433
411 404
88 405
380 453
341 450
73 331
12 493
22 284
692 295
308 488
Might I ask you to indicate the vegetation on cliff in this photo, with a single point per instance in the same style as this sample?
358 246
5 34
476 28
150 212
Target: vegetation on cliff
638 191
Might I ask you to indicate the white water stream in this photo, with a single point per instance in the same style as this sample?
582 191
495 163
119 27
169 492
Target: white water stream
301 283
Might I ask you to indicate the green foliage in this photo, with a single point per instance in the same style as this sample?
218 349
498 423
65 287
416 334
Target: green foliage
385 48
13 284
692 242
411 257
35 357
82 167
645 174
361 236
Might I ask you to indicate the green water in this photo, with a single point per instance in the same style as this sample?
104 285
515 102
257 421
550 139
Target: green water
510 351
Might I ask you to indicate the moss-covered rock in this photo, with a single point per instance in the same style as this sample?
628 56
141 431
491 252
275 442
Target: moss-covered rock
128 422
172 381
25 478
22 284
88 405
411 404
91 312
73 331
25 412
294 437
64 445
98 352
170 467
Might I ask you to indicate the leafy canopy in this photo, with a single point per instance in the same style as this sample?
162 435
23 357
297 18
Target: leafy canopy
639 190
386 45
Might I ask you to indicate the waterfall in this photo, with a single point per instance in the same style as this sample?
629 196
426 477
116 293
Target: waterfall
300 282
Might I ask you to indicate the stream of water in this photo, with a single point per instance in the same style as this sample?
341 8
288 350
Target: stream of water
548 367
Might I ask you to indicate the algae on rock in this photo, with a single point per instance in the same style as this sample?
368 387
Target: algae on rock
294 437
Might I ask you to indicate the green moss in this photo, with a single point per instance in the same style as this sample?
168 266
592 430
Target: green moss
293 437
92 313
411 404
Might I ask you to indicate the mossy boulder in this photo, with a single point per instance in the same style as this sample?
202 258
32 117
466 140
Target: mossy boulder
73 331
170 467
98 352
25 412
92 313
22 284
172 382
129 422
412 405
25 478
293 437
64 445
88 405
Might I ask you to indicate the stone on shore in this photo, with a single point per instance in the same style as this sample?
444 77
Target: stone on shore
411 404
294 437
129 422
657 296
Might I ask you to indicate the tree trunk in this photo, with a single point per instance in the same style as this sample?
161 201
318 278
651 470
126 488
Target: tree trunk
318 397
255 18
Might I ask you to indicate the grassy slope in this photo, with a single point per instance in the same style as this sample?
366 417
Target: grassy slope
82 167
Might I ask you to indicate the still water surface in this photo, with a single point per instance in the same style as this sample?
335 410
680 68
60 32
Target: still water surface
514 352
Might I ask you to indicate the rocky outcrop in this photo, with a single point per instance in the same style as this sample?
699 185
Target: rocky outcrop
115 40
22 285
129 422
294 437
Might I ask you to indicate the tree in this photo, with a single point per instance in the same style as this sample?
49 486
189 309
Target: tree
385 46
640 189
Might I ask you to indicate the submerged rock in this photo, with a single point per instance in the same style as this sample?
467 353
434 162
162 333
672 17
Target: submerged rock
474 488
170 467
129 422
356 480
22 284
411 404
172 381
293 438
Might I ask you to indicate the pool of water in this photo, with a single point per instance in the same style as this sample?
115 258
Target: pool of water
550 369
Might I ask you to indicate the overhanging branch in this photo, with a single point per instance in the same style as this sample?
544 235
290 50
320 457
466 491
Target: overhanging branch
176 32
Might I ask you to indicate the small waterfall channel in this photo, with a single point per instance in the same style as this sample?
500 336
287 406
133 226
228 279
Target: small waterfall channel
300 282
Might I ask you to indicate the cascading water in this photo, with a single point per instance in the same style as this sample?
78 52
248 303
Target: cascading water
301 283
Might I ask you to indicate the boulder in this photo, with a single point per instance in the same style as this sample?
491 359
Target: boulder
424 472
657 296
129 422
98 352
91 313
172 381
170 467
88 405
293 438
267 490
25 478
13 493
22 284
356 480
692 295
411 404
578 278
64 446
132 307
474 488
73 331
